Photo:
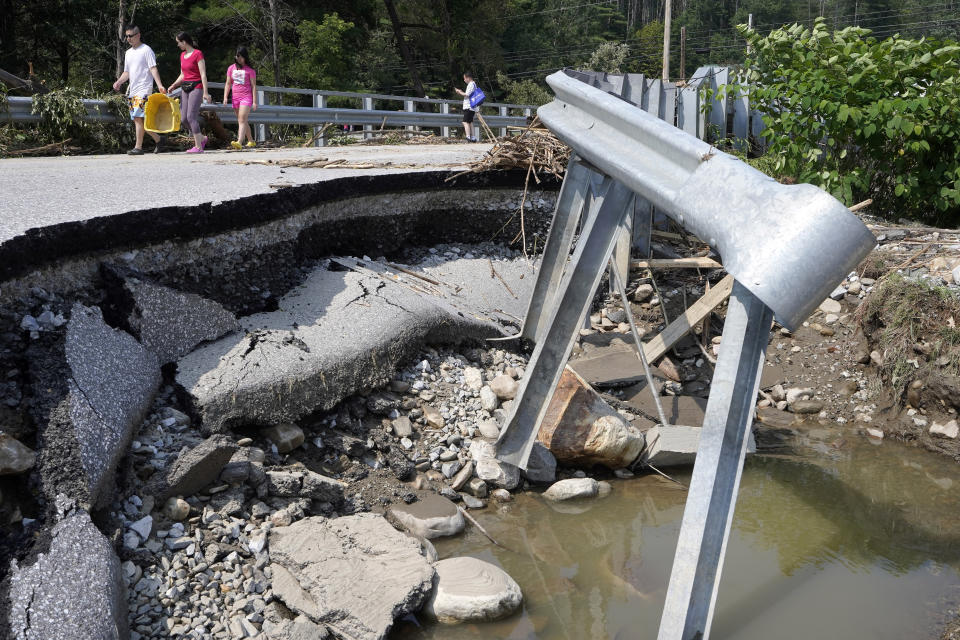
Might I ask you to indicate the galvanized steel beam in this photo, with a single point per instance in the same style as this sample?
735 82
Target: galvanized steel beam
566 215
570 307
692 593
789 244
266 114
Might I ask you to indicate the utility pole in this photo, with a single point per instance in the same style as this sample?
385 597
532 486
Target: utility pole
666 41
749 26
683 53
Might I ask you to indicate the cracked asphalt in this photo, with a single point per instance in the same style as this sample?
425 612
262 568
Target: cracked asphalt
38 192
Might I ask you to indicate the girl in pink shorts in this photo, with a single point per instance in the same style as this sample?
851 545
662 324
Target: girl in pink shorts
242 82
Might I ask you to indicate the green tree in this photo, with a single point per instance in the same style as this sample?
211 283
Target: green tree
318 60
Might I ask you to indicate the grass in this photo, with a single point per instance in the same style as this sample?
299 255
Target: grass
913 325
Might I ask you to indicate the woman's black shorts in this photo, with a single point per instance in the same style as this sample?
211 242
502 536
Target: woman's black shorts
468 115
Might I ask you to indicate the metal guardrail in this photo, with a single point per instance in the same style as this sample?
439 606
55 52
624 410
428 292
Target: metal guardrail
369 118
787 246
717 113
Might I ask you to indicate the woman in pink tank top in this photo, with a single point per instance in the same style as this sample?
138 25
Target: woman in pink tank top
242 82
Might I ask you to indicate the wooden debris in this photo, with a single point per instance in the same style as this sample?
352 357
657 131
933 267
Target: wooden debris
493 273
676 263
536 149
45 149
662 342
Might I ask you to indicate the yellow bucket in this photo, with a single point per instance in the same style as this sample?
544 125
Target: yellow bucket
162 114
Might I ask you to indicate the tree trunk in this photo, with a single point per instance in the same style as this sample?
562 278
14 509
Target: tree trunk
274 42
402 46
121 27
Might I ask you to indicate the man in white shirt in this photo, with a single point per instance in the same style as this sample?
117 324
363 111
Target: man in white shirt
139 64
468 111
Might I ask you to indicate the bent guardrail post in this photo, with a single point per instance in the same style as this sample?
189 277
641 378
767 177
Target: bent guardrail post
688 610
787 247
570 306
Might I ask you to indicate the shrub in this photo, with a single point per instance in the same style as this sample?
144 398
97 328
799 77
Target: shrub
862 117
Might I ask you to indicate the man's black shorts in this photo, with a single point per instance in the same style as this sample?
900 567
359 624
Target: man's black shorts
468 115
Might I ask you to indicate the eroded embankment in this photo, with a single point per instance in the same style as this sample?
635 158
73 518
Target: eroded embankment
98 317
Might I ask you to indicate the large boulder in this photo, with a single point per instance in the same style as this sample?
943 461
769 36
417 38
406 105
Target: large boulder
572 489
581 429
74 589
354 574
346 328
93 388
489 469
471 590
433 516
168 322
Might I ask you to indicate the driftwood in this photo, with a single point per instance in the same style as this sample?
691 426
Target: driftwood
60 147
30 86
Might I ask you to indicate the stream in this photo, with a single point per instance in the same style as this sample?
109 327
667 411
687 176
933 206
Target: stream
847 539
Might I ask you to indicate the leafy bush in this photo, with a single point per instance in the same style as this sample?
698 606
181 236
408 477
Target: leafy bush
862 117
61 114
523 91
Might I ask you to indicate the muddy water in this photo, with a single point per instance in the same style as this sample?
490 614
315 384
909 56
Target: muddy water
853 540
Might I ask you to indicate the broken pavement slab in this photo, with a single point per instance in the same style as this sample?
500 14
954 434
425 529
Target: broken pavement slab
74 589
94 388
168 322
355 574
346 328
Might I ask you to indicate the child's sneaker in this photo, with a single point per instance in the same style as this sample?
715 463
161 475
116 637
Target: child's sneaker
251 144
236 145
194 150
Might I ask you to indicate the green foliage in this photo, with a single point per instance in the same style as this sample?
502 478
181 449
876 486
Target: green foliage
862 117
648 49
61 113
609 57
61 117
523 91
318 59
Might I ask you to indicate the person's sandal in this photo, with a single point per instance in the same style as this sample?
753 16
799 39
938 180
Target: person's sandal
161 144
194 150
236 145
251 144
135 152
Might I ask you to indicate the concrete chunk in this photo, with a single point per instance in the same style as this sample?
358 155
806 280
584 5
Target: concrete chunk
73 590
354 574
676 445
